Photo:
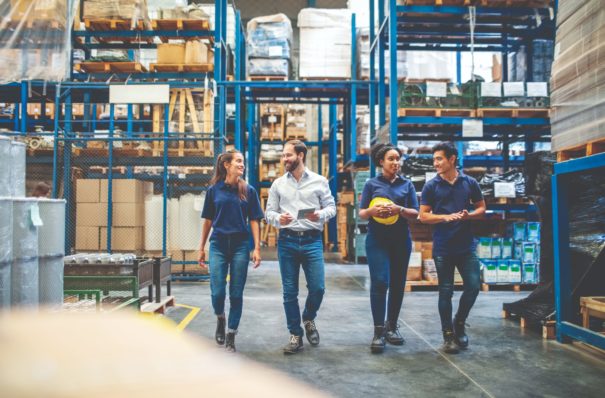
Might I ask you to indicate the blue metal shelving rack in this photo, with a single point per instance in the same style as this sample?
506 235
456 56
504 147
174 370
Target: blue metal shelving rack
446 28
563 173
248 94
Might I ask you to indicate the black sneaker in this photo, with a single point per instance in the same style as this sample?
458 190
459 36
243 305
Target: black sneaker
219 335
294 346
311 332
449 346
392 335
377 346
230 342
460 333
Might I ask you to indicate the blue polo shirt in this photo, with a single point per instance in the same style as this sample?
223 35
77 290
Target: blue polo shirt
445 198
230 214
401 192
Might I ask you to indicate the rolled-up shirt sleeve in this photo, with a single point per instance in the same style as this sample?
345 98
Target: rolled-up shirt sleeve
326 200
272 212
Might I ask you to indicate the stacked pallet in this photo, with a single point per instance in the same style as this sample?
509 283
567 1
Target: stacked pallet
268 46
344 219
268 236
578 75
272 122
296 122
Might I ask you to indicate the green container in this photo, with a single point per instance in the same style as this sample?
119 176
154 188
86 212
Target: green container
415 95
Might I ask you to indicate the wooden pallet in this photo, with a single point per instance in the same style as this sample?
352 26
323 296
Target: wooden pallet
513 3
514 112
115 24
486 287
33 23
110 67
268 78
180 24
158 308
179 68
436 112
439 2
580 151
591 307
548 327
301 137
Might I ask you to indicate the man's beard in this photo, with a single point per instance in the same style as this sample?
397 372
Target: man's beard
293 165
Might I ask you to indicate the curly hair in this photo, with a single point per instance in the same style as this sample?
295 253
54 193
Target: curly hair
379 150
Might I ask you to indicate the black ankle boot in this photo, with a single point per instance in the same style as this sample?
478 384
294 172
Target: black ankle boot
460 333
449 346
230 342
219 335
392 335
377 346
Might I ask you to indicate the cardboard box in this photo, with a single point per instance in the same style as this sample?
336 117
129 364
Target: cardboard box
346 198
128 215
91 214
123 238
87 238
171 53
87 191
126 190
415 260
198 52
414 274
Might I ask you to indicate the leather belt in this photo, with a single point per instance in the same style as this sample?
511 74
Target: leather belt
301 234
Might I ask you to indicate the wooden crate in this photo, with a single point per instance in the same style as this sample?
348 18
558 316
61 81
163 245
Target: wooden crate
591 307
583 150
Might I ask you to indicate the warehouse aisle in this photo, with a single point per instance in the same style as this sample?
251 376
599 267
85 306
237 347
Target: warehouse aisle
503 361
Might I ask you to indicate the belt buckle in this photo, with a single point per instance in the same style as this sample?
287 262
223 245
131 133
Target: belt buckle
300 234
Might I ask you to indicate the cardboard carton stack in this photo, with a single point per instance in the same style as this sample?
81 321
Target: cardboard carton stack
344 218
128 214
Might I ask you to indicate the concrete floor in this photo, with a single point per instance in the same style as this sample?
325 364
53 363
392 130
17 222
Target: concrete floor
503 360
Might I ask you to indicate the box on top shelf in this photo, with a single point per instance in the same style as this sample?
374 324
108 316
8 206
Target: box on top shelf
325 43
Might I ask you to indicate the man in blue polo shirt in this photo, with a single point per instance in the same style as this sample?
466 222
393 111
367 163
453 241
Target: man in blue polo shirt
445 202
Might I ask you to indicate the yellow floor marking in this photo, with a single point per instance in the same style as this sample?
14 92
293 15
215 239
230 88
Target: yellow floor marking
192 313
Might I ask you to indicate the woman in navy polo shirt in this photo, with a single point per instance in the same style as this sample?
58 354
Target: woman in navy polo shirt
231 204
388 243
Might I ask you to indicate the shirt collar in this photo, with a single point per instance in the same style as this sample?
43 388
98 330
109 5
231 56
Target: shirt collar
305 173
398 178
461 175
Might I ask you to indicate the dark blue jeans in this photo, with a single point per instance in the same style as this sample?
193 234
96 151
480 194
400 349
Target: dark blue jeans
294 252
388 259
468 266
229 255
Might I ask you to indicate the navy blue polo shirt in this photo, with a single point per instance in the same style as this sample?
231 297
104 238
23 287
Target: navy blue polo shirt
400 191
230 214
445 198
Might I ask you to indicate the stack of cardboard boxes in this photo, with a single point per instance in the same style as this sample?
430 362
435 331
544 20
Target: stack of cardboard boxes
128 214
344 218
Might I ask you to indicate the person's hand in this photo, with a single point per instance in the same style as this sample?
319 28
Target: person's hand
453 217
313 216
377 211
285 219
465 215
256 258
202 260
392 209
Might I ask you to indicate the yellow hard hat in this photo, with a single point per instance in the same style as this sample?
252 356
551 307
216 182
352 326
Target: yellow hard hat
388 220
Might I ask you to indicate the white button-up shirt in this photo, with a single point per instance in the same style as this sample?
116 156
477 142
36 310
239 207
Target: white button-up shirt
289 196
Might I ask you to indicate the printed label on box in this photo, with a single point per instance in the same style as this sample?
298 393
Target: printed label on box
514 89
436 89
537 89
491 89
472 128
504 189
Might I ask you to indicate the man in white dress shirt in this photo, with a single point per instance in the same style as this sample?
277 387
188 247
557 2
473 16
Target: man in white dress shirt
299 204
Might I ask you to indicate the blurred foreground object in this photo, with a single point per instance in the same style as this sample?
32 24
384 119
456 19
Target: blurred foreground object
118 355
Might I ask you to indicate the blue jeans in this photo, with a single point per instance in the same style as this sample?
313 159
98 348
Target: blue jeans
388 259
229 255
468 266
294 252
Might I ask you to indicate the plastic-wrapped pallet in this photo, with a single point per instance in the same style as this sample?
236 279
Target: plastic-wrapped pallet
363 62
578 74
325 43
135 10
269 45
209 10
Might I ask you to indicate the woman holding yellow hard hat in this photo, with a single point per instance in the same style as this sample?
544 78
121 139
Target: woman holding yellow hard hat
388 201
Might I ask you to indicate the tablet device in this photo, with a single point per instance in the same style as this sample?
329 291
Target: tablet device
303 213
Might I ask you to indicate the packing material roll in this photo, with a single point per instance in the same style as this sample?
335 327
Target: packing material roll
5 167
154 217
25 232
24 283
50 281
51 234
174 227
6 230
17 174
190 210
5 285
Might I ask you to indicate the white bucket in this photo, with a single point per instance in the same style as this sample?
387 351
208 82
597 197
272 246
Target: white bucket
154 213
190 222
25 283
51 281
5 166
6 230
5 285
51 235
25 234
